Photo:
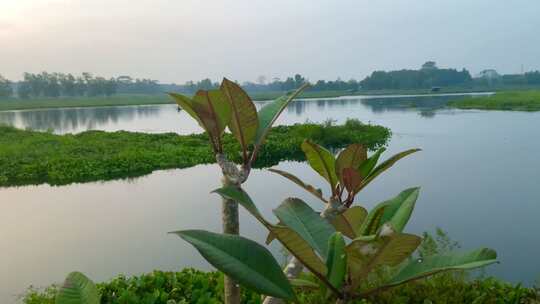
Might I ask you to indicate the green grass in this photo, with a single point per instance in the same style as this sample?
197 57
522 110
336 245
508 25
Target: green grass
30 157
508 101
193 286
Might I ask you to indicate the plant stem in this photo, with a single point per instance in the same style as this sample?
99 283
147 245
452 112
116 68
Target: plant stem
295 267
231 225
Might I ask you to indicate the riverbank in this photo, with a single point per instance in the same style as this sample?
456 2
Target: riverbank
12 104
504 101
67 102
30 157
193 286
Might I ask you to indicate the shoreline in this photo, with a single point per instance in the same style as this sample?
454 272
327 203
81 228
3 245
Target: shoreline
10 105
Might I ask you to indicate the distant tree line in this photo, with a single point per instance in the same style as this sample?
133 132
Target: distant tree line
494 79
58 84
428 76
55 85
290 83
5 87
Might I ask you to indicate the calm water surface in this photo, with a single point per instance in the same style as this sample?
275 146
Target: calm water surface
479 173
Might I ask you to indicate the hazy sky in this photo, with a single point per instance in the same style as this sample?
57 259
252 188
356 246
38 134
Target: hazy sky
179 40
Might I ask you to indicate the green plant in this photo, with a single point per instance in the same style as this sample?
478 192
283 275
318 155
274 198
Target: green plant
317 239
77 289
230 106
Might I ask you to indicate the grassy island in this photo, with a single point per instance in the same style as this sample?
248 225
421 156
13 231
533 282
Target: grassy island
30 157
507 101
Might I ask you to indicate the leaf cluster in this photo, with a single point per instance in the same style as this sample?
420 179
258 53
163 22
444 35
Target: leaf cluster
342 246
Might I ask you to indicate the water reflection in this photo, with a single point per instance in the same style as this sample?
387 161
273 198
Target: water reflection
167 118
425 106
76 119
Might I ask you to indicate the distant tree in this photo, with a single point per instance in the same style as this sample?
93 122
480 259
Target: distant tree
67 84
261 80
206 84
80 86
429 65
289 84
5 87
24 90
298 80
532 77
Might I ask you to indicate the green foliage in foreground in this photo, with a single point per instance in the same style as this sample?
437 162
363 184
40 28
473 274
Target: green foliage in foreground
77 289
29 157
509 101
193 286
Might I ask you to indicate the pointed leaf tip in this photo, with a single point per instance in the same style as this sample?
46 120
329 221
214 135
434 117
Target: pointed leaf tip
322 161
78 289
244 120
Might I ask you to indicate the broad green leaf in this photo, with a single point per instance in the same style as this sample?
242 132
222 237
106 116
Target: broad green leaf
299 248
322 161
349 222
400 208
336 261
210 109
77 289
290 239
244 121
244 260
389 249
297 215
367 166
268 115
387 164
304 283
396 211
373 221
309 188
186 104
420 268
240 196
350 157
213 109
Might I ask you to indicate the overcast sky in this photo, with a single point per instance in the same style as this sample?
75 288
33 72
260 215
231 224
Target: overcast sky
179 40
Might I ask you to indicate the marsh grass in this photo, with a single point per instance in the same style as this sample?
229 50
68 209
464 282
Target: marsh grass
30 157
507 101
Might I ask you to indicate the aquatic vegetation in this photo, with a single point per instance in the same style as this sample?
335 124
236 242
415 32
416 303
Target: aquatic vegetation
193 286
506 100
30 157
